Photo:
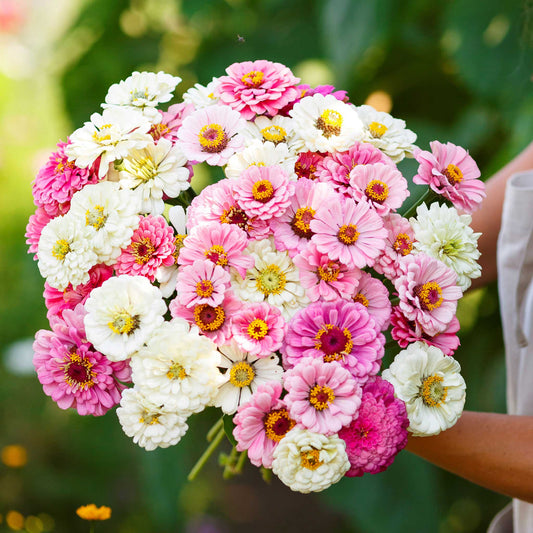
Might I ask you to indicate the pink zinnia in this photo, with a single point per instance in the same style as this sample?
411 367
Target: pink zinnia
398 244
307 90
321 397
203 282
58 180
264 192
57 301
335 168
217 203
258 329
323 278
152 246
292 230
382 186
213 321
350 232
335 331
211 134
35 226
374 295
449 170
404 332
223 244
171 121
378 432
307 164
428 293
261 423
72 373
257 87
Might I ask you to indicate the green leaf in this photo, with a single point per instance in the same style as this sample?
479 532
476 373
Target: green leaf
228 429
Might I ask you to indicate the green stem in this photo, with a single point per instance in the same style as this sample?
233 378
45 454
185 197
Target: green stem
240 462
206 455
391 344
428 197
92 528
229 462
215 429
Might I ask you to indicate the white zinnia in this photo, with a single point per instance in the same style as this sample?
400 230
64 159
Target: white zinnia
110 216
310 462
387 133
274 279
110 135
275 130
243 373
63 252
154 170
143 91
178 368
325 124
431 386
445 235
122 314
202 95
151 425
262 154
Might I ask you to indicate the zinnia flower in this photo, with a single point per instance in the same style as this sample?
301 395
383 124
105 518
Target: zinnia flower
374 295
91 512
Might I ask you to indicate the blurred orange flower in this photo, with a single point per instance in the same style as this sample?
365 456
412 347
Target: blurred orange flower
91 512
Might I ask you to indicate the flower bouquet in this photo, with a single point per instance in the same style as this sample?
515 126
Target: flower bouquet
270 295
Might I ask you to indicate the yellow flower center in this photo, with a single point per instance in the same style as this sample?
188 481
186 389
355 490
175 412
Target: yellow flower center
95 217
262 191
61 166
143 168
360 298
301 221
60 249
377 190
348 234
271 280
142 250
217 255
403 244
159 130
178 243
329 122
123 322
241 374
321 396
275 134
329 272
453 174
277 424
149 419
209 318
333 342
78 372
254 78
102 135
204 288
258 329
432 391
310 459
235 215
429 295
212 138
176 371
377 130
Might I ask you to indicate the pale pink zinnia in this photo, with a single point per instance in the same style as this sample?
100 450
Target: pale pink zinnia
257 87
336 167
374 295
292 231
428 293
152 246
339 331
72 372
450 171
381 185
378 432
404 333
171 121
398 244
258 329
58 180
261 423
35 226
211 134
263 192
217 203
350 232
57 301
223 244
203 282
323 278
213 321
321 397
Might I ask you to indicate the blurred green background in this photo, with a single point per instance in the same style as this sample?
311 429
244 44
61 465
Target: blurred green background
456 71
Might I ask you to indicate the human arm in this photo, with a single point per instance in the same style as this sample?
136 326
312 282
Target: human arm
492 450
